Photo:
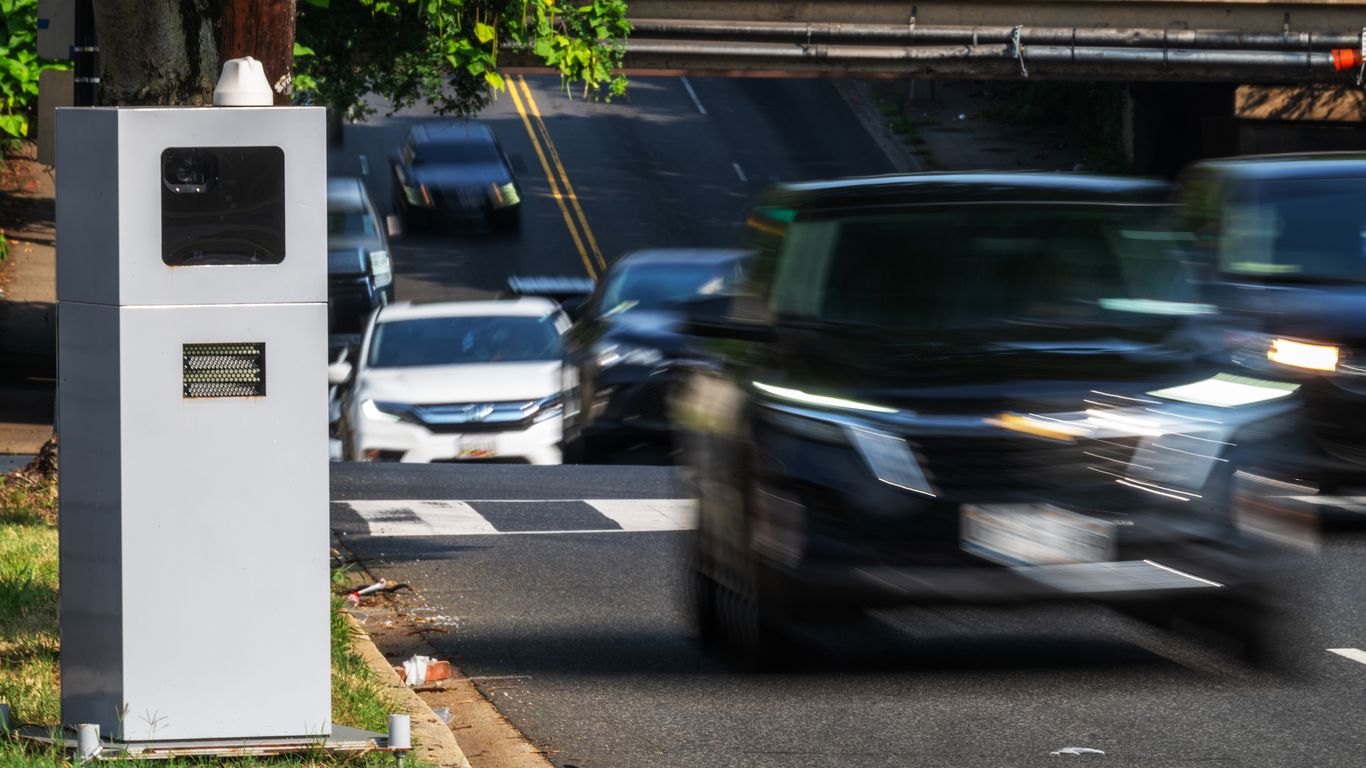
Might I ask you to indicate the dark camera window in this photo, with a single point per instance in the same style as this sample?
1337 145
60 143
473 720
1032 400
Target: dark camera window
222 206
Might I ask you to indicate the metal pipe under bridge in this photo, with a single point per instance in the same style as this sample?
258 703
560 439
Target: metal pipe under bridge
1244 41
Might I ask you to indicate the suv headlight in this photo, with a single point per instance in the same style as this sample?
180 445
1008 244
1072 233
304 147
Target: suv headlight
608 355
505 195
380 410
1300 354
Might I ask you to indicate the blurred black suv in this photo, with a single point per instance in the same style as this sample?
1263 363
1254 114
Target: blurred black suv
969 388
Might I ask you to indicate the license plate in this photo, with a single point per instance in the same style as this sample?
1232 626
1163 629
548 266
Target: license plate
476 447
1035 534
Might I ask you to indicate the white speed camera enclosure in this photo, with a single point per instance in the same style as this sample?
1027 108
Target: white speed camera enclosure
192 354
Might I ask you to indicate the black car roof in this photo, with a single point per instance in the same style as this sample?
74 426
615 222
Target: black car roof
684 256
453 132
935 188
1316 165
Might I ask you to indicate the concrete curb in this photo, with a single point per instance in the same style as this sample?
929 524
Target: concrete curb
434 744
864 107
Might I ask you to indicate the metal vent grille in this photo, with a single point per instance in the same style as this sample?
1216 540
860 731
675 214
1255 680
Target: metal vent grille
224 370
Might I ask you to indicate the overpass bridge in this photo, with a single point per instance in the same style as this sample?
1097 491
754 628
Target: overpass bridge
1285 41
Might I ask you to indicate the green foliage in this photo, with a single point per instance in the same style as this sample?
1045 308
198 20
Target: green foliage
445 53
1091 115
19 67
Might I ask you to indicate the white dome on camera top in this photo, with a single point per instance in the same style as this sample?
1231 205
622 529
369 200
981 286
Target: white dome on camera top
243 84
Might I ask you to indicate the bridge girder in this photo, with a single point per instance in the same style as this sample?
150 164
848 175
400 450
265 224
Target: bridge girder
1156 40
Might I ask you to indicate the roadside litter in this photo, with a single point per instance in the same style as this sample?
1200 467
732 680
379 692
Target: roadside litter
423 669
443 714
1077 751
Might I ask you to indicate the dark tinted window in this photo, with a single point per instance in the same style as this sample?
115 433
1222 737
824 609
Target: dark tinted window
650 286
463 340
972 266
466 151
1312 228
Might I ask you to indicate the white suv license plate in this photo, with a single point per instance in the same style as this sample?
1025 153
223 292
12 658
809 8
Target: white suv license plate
475 447
1035 534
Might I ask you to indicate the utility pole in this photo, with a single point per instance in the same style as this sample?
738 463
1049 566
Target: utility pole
85 54
264 30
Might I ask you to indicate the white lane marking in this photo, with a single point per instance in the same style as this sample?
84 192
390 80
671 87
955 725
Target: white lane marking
1354 654
649 514
364 165
739 171
693 94
427 518
399 518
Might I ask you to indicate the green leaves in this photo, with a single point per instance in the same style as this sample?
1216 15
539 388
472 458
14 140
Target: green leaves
318 4
446 52
19 67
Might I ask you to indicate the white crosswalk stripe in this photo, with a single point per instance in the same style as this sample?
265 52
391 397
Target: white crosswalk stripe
649 514
421 518
405 518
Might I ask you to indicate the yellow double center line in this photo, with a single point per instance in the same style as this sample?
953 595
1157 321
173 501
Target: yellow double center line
584 242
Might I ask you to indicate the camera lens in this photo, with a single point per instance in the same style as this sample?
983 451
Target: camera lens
183 175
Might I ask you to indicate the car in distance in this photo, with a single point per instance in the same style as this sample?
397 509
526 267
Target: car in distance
1280 242
627 351
360 275
968 388
455 170
455 381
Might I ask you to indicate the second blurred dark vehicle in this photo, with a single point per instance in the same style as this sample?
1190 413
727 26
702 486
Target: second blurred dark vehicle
360 276
975 388
628 348
455 171
1280 244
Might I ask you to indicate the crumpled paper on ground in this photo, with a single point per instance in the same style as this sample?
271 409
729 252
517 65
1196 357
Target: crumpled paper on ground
415 670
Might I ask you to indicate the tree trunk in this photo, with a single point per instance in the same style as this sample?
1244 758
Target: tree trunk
263 30
158 52
169 52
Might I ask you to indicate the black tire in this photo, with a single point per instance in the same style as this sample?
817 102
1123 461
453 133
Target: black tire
584 450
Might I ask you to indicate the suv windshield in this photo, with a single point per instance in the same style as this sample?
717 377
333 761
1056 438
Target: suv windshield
353 222
651 286
455 152
1307 228
464 340
980 265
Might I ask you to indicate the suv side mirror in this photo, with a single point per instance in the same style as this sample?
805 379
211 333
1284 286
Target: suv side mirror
339 373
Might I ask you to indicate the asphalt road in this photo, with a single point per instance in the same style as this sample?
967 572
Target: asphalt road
580 637
674 163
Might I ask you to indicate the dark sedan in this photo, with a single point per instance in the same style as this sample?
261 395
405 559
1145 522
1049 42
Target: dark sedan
989 388
627 349
455 171
360 276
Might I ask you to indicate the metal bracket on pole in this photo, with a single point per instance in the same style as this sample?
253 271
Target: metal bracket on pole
1361 73
1017 50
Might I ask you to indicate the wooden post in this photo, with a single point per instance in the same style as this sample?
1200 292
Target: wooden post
263 30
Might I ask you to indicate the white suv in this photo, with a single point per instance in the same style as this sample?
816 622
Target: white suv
456 381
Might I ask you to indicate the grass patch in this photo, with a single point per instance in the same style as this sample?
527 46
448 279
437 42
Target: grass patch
29 646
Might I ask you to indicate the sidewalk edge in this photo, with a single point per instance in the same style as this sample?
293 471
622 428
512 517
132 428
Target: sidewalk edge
434 743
